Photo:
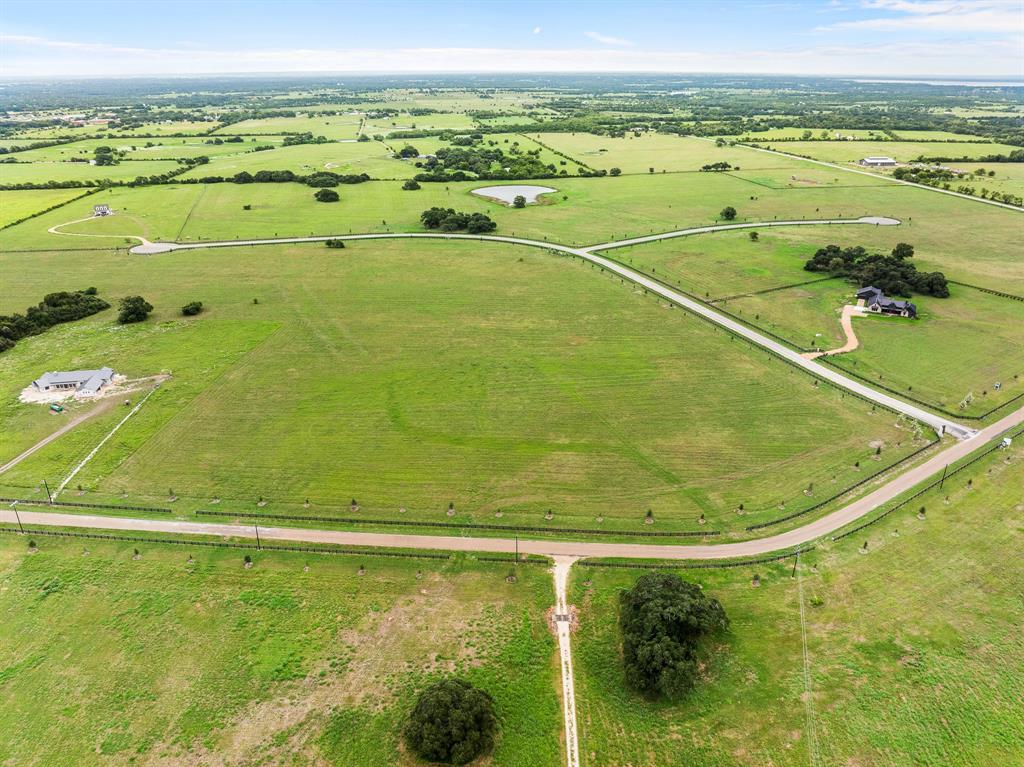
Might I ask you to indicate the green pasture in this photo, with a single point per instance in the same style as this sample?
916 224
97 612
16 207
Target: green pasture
109 659
902 151
341 126
663 152
551 390
370 157
406 121
913 648
832 134
17 205
503 141
41 172
1009 176
139 149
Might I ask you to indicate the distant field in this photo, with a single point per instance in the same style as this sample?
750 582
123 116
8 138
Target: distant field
16 205
938 686
341 126
503 141
655 150
796 133
41 172
299 660
552 390
1009 176
903 151
406 121
370 157
139 149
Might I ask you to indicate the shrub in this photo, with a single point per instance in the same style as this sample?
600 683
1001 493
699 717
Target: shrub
663 620
411 185
452 722
615 172
192 308
326 195
335 243
133 309
728 213
519 201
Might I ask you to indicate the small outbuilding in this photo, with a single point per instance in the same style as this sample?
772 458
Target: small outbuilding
876 301
81 382
101 210
878 162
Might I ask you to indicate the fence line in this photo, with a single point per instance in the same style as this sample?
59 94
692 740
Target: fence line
691 565
841 493
80 505
456 525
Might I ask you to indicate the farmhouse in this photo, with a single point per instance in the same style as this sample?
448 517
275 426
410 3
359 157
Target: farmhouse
876 301
878 162
81 382
101 210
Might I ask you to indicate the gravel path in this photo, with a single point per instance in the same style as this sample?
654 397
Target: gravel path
849 312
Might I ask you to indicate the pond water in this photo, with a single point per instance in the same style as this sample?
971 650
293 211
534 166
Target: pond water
509 192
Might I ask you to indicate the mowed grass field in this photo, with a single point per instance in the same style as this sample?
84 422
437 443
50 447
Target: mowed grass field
959 345
501 379
140 149
107 659
341 126
663 152
41 172
16 205
902 151
913 648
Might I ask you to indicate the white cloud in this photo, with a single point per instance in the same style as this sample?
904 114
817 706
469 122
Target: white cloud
537 30
607 39
940 16
25 56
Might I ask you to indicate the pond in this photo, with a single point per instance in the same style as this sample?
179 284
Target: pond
509 192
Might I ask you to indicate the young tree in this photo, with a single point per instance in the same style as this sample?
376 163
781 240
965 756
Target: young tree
903 250
728 213
326 195
615 172
519 201
192 308
753 236
452 723
133 309
411 185
663 619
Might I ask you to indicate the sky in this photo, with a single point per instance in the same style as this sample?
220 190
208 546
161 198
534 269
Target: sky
951 38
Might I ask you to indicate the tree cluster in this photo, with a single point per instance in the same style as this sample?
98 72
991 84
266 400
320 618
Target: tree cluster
894 274
304 138
450 220
54 309
663 620
457 163
717 167
133 309
452 723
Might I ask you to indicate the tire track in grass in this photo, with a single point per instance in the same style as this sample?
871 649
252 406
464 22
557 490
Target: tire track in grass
813 753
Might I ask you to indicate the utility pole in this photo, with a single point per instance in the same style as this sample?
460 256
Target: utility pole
944 470
517 549
49 498
257 537
796 559
17 517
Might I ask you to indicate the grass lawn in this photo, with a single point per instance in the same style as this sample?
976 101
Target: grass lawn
913 649
110 660
555 387
41 172
17 205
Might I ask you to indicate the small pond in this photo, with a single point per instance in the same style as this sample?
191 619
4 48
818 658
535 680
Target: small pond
508 192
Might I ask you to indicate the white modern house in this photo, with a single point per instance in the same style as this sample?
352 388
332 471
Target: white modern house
80 382
878 162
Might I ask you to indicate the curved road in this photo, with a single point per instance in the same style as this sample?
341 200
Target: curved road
940 424
551 548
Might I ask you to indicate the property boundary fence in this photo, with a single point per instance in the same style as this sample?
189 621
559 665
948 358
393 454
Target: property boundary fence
228 544
841 493
458 525
79 505
999 293
770 290
691 565
946 475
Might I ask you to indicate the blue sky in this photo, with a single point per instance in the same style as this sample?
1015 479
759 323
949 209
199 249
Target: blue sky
829 37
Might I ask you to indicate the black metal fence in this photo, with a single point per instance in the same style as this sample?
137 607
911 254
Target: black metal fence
79 505
692 565
455 525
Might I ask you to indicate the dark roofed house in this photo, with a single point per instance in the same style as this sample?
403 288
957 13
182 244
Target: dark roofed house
876 301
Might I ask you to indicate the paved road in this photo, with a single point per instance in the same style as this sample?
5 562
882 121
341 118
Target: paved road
940 424
551 548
